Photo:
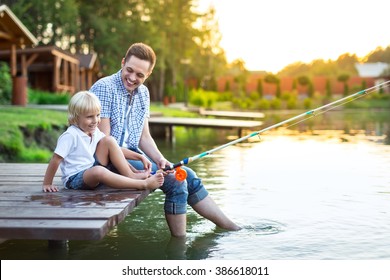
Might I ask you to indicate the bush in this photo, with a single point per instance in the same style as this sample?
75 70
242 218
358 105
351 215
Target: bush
225 96
5 84
44 97
292 103
263 104
307 103
254 95
276 103
203 98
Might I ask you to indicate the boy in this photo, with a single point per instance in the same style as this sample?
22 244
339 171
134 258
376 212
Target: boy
84 152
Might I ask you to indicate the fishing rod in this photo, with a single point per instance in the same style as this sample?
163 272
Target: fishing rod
181 174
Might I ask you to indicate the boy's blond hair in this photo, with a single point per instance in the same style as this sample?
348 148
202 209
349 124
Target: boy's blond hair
83 102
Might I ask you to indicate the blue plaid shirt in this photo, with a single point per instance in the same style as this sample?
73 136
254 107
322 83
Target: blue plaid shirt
115 100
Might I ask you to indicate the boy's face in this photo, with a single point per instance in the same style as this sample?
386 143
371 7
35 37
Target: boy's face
134 72
88 122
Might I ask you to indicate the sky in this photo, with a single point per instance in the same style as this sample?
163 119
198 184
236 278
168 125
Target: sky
270 34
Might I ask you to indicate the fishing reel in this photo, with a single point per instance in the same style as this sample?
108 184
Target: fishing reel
180 174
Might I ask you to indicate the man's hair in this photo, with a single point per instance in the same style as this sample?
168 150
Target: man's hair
143 52
83 102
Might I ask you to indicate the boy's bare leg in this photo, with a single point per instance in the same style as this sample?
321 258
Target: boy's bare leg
99 174
108 151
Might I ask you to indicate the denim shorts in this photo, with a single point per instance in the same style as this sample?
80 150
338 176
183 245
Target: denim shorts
76 181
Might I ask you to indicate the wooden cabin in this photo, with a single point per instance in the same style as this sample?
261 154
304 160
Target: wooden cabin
55 70
15 36
49 68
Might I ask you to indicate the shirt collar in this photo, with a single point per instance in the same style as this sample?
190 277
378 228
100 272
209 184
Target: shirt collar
82 133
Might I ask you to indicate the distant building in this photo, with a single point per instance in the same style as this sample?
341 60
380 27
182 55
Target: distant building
379 71
371 70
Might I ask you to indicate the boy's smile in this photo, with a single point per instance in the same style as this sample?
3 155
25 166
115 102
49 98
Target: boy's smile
88 122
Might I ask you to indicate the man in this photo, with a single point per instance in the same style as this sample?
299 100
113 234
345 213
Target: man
124 115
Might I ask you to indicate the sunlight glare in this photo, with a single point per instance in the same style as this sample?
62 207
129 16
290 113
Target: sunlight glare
269 35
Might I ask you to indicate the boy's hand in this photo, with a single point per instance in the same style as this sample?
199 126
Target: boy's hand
49 188
147 164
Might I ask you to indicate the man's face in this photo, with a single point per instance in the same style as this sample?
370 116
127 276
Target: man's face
134 72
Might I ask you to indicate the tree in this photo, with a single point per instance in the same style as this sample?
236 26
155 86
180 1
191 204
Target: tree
210 57
346 63
238 70
344 79
328 89
379 55
53 22
305 82
260 87
273 79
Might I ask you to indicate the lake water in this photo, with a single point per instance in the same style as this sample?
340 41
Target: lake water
319 190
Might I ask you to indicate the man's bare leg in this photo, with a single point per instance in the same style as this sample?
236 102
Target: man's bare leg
210 210
177 224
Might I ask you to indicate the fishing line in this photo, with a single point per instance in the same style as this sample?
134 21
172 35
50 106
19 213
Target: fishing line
181 173
323 112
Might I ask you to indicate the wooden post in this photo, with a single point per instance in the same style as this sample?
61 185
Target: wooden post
65 73
58 244
14 66
24 65
56 73
19 90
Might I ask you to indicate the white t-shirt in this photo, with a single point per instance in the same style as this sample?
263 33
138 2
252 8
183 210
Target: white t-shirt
77 149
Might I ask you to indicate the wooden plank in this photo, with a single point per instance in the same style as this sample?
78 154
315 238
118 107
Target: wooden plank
232 114
170 122
111 215
204 122
33 204
54 229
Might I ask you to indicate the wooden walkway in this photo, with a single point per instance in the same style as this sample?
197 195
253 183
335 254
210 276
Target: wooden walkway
171 122
233 114
28 213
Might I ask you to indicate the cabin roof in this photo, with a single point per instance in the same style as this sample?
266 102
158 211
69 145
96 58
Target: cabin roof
13 31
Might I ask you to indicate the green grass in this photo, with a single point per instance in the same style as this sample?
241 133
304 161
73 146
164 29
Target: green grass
13 146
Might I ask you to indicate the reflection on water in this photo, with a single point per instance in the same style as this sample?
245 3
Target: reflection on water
320 190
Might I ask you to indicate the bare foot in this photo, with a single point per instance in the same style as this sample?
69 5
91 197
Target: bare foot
140 175
155 181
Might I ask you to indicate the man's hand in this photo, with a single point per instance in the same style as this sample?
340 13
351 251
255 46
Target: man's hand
162 163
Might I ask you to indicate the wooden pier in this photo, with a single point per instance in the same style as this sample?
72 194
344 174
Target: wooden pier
26 212
171 122
232 114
